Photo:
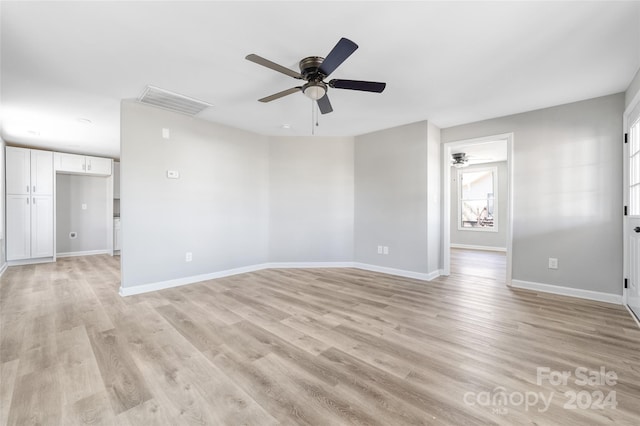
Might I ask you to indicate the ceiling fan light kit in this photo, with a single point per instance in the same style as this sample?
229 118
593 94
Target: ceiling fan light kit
315 69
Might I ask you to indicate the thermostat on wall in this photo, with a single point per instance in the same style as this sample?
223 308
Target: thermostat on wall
173 174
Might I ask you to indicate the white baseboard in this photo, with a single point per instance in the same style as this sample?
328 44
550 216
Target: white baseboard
633 315
3 268
473 247
30 261
145 288
83 253
399 272
162 285
309 265
568 291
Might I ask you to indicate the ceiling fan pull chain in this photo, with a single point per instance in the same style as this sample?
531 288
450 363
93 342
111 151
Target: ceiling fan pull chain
313 129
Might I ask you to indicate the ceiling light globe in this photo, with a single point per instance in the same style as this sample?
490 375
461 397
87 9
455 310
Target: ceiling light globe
314 90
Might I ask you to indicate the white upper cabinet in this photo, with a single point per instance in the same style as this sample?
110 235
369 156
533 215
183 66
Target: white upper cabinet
82 164
99 166
70 163
18 161
41 172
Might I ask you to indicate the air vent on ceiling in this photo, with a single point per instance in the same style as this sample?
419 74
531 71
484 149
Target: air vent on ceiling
172 101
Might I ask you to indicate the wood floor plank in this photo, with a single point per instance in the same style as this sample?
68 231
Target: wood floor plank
121 376
303 347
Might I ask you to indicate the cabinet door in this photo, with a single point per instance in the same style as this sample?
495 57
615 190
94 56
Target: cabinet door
70 163
98 166
18 162
116 180
18 227
42 226
42 172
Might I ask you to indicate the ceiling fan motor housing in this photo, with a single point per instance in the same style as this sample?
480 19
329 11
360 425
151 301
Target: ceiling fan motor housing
309 68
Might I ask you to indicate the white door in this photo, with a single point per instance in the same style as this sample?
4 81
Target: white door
632 225
42 226
42 172
18 166
18 227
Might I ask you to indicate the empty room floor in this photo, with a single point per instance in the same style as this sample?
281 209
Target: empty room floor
308 346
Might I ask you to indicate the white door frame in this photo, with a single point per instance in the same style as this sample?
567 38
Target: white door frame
635 103
446 191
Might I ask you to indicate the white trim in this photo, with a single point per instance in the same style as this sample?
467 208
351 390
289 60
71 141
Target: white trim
633 315
162 285
309 265
83 253
3 268
399 272
30 261
472 247
568 291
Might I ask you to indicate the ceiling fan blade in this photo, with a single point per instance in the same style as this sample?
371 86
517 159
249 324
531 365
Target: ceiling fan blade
340 52
280 94
365 86
325 105
272 65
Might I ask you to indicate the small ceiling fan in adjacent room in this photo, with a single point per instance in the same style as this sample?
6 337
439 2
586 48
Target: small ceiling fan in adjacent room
461 159
314 70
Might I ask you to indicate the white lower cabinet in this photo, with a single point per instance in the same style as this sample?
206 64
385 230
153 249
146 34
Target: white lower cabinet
42 226
18 227
117 234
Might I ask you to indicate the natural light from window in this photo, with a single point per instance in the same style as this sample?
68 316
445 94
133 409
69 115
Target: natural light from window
477 199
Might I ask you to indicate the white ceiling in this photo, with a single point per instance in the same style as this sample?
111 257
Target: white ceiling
448 62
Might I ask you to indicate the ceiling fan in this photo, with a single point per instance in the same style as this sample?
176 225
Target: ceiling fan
314 69
461 159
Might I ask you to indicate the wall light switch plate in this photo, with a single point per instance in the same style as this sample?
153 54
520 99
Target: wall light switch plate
84 206
379 249
385 250
166 134
553 263
173 174
188 257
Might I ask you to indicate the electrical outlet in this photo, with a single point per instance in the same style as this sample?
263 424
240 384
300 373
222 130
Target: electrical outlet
379 249
188 257
553 263
84 206
385 250
166 133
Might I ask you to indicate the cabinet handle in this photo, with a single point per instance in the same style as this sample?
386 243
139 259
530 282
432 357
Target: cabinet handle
84 167
89 165
34 201
27 188
34 189
27 200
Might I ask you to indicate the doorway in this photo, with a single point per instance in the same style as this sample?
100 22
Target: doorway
478 176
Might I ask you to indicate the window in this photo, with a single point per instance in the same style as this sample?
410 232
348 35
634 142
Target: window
477 199
634 169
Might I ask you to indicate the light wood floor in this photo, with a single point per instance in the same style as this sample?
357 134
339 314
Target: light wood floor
297 347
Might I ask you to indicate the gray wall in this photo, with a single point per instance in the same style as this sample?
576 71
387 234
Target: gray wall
481 238
392 198
567 191
91 224
218 209
310 199
634 87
